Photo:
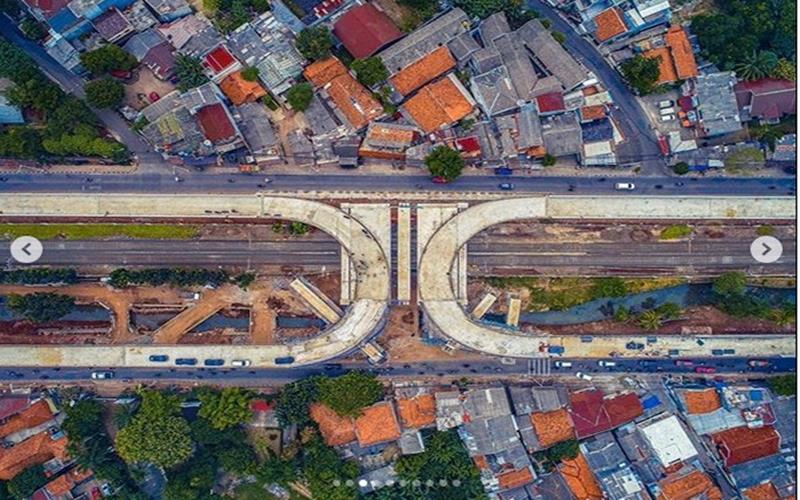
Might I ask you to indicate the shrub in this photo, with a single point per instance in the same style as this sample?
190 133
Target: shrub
676 231
681 168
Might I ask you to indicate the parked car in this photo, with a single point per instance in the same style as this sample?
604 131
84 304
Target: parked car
506 186
102 375
665 104
439 180
285 360
186 361
503 171
666 111
606 364
562 364
624 186
634 346
154 96
705 369
684 362
667 118
758 363
332 366
583 376
240 362
158 358
214 362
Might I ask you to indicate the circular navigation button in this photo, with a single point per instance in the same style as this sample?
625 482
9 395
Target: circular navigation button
766 249
26 249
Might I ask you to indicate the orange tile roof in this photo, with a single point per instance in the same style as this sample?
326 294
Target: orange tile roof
578 476
418 411
36 414
552 427
682 53
61 485
480 462
34 450
323 71
377 424
688 486
609 24
240 91
515 478
438 104
698 402
336 430
742 444
666 66
764 491
593 112
353 100
422 71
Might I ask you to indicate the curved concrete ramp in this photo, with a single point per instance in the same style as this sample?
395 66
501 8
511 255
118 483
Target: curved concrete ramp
361 319
447 316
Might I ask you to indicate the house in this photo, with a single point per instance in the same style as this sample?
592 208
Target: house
323 121
766 475
668 440
139 16
521 134
418 411
219 63
577 473
60 49
593 413
768 99
610 20
307 12
352 103
609 25
364 30
462 47
494 92
422 71
550 103
389 141
717 107
611 468
552 427
27 439
688 484
785 152
239 90
439 104
45 9
743 444
424 40
154 51
268 44
562 135
169 10
218 127
258 132
112 25
196 29
551 55
377 425
335 430
677 60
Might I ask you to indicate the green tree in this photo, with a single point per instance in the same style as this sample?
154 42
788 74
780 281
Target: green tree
238 460
730 284
348 394
190 72
299 228
41 307
107 58
785 69
315 43
785 315
609 287
276 470
669 310
559 37
250 73
757 65
622 314
370 71
642 73
244 280
35 93
784 385
24 484
104 93
681 168
299 96
323 470
295 399
20 142
444 162
225 408
564 450
650 320
548 160
157 433
32 29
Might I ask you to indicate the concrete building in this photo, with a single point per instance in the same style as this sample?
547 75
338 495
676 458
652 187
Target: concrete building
668 441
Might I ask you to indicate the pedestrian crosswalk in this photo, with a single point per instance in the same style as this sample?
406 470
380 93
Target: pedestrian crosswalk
539 366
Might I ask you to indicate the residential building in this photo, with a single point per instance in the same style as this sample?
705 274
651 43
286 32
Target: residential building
609 25
521 134
551 55
768 99
592 412
154 51
439 104
27 440
377 425
219 63
785 152
258 132
191 35
389 141
418 411
45 9
364 30
668 440
494 92
771 475
580 480
422 71
743 444
239 90
60 49
352 103
140 16
562 135
169 10
677 60
552 427
112 25
718 111
462 47
687 484
307 12
323 121
335 430
611 468
609 20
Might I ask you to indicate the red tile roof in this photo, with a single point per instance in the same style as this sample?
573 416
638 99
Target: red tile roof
552 427
418 411
377 424
364 30
61 485
48 7
37 414
682 53
609 24
623 408
422 71
12 404
590 113
354 100
701 401
34 450
439 104
579 477
768 98
592 413
335 430
239 90
764 491
742 444
691 486
219 59
515 478
216 125
552 102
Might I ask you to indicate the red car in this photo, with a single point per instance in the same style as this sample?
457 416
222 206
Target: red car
439 180
758 363
705 369
154 96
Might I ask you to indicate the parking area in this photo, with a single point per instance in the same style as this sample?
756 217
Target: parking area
144 83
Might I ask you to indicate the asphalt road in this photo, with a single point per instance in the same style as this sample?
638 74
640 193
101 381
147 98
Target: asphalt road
243 184
486 255
445 369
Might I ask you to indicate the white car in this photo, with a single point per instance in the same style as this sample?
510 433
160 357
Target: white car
606 364
563 364
665 104
624 186
102 375
667 118
240 362
583 376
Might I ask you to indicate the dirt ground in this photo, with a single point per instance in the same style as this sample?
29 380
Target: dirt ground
392 9
137 93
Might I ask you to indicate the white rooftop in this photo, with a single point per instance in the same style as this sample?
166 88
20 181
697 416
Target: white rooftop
669 441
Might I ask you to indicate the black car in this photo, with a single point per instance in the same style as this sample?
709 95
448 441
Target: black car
634 346
158 358
286 360
186 361
214 362
332 366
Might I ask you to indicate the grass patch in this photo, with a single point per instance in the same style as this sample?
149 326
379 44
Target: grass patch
557 294
676 231
744 161
98 231
765 230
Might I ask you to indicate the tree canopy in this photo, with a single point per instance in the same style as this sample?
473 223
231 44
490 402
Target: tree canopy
444 162
41 307
784 385
107 58
315 42
294 400
190 72
250 73
299 96
370 71
730 284
348 394
104 93
25 484
642 73
226 408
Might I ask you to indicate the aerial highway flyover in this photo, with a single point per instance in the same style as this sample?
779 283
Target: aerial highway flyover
362 318
445 314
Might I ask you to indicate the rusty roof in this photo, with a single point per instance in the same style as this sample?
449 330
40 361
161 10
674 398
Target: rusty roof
765 491
364 30
377 424
515 478
552 427
595 112
688 486
609 24
580 479
323 71
35 450
439 104
36 414
418 411
682 53
422 71
666 66
336 430
742 444
239 90
353 100
61 485
701 401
